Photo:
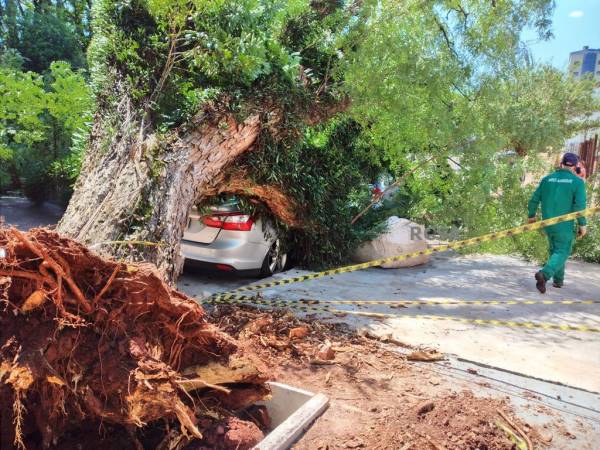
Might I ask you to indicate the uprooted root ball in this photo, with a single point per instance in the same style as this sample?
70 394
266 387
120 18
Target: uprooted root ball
106 352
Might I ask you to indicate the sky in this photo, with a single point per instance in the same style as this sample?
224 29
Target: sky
575 23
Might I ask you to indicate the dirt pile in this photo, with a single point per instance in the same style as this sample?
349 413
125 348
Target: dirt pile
458 421
380 399
97 353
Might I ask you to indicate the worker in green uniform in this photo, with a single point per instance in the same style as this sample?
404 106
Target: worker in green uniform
561 192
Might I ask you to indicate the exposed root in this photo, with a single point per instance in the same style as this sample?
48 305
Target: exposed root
58 270
88 343
519 430
18 414
107 285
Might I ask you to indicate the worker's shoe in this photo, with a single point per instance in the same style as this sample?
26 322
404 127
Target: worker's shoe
540 282
557 284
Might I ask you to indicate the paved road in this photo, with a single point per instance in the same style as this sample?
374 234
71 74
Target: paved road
497 354
569 357
24 214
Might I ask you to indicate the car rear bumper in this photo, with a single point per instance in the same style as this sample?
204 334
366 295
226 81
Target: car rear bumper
242 256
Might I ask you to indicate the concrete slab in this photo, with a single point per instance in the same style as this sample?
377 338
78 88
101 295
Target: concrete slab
292 412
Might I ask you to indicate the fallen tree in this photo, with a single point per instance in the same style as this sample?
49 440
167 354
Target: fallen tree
183 90
105 353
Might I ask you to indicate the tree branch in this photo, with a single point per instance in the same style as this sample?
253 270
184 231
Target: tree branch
449 43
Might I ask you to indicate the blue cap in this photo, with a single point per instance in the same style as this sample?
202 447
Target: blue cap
570 159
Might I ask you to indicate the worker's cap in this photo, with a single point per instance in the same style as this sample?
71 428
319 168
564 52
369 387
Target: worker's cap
570 159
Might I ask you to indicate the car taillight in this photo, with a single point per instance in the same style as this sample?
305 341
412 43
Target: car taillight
241 222
235 222
212 221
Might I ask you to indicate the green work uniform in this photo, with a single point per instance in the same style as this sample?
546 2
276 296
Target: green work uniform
561 192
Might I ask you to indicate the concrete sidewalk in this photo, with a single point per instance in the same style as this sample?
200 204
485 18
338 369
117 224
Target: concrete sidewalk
568 357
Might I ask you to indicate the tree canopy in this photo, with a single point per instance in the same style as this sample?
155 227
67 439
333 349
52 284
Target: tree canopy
454 79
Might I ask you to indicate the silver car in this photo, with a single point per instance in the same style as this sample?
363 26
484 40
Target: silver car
227 239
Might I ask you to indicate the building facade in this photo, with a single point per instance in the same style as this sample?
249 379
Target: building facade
585 61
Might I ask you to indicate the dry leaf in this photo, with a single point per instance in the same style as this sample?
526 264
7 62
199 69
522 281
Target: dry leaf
325 352
298 333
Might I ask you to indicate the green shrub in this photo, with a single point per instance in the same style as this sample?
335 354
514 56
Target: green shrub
327 174
44 127
588 248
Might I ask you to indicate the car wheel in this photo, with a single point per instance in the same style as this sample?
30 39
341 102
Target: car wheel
275 260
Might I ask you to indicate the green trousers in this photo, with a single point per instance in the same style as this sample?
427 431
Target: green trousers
560 244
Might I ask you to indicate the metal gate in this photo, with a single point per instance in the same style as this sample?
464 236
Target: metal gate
588 152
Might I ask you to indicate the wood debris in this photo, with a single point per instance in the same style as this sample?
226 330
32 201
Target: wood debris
427 356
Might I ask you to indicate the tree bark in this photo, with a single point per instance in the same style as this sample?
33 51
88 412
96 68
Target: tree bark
135 186
191 166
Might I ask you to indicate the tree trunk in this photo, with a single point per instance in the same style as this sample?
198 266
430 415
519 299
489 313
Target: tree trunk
135 186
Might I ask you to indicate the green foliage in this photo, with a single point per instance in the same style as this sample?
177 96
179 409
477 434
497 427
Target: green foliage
481 194
44 102
448 78
176 56
11 59
419 67
535 108
324 173
236 42
68 98
22 102
45 31
588 248
39 116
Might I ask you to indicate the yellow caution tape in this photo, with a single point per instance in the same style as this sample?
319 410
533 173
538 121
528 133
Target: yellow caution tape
437 249
486 322
400 302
